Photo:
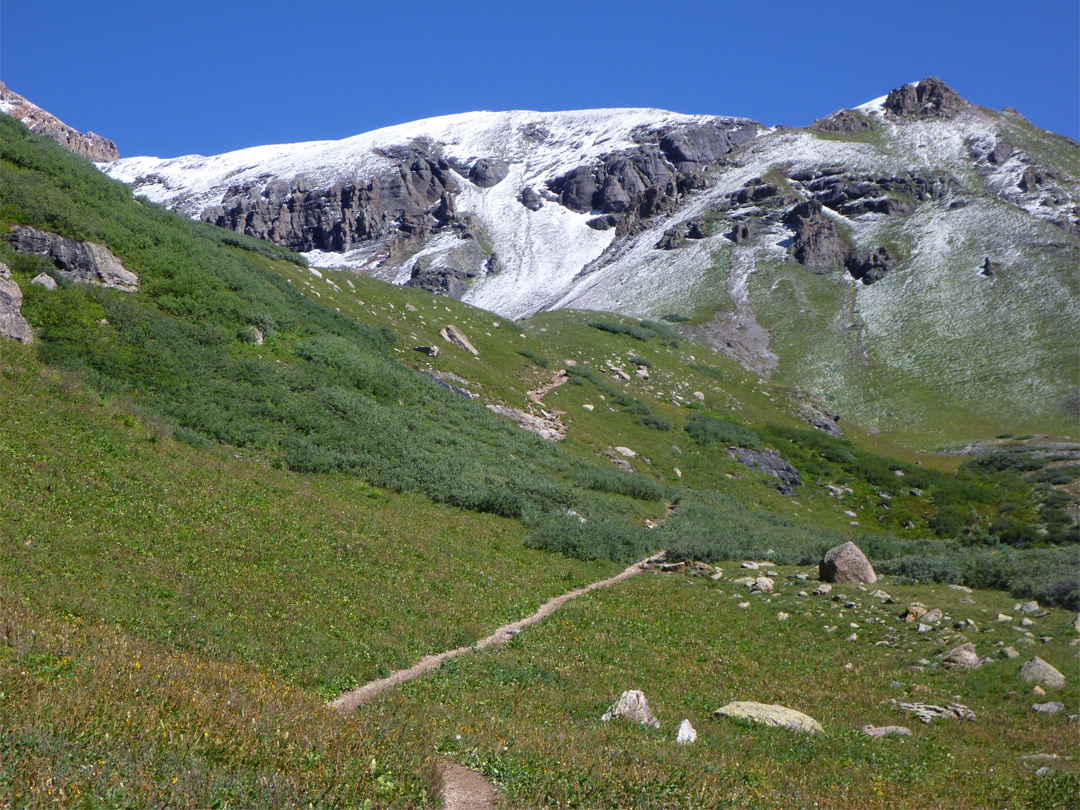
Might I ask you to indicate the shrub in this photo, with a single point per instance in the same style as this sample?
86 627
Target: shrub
543 362
708 430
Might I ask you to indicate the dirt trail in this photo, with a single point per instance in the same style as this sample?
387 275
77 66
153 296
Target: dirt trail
347 702
465 789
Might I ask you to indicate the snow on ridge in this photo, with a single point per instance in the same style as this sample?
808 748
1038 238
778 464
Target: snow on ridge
873 107
545 141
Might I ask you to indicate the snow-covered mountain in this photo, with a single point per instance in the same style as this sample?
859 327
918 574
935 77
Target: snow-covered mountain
911 251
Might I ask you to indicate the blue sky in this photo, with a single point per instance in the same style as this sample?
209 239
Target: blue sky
165 78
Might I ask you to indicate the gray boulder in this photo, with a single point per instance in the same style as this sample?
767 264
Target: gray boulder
770 715
455 337
846 564
770 463
44 280
78 262
962 657
879 732
1038 671
631 705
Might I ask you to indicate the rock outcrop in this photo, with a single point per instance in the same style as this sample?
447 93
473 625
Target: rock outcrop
817 241
90 146
12 323
770 463
78 262
929 98
846 564
770 715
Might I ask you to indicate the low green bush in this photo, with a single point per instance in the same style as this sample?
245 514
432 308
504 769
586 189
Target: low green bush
708 430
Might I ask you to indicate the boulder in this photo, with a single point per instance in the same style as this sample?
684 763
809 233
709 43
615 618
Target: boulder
1026 607
927 712
12 323
762 585
78 262
1053 707
770 715
686 733
846 564
430 351
962 657
1038 671
44 280
488 172
455 337
631 705
878 732
531 199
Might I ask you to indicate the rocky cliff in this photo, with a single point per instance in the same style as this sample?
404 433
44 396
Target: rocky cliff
91 146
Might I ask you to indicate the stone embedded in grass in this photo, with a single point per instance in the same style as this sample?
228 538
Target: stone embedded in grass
1043 673
880 732
455 337
770 715
823 589
1026 607
632 705
1053 707
962 657
686 733
916 610
762 585
1001 617
928 712
880 594
846 564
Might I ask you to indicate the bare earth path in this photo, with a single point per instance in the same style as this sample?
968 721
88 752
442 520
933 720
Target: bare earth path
464 789
347 702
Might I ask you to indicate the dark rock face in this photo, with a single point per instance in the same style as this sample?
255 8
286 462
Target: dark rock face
412 200
741 231
642 182
870 267
90 146
78 262
488 172
989 268
843 121
769 462
754 191
852 195
930 97
817 242
676 236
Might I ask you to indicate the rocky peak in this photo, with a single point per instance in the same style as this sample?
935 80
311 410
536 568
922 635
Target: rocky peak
88 145
929 98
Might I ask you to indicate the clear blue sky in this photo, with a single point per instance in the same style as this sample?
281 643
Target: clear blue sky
206 76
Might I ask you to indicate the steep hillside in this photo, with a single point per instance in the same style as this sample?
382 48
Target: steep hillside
909 262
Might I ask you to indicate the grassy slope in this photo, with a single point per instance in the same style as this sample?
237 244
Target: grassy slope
220 596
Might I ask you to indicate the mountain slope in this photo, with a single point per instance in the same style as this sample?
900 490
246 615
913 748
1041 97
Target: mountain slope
939 275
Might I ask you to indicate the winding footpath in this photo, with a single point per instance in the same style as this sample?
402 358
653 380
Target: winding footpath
347 702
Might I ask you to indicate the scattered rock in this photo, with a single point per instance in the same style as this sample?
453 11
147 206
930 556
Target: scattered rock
1038 691
632 705
823 589
770 715
547 427
852 637
78 262
531 199
962 657
455 337
884 597
963 588
625 451
933 615
43 280
1042 673
488 172
879 732
762 585
846 564
430 351
686 733
782 617
1010 652
927 712
1026 607
1001 617
1053 707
